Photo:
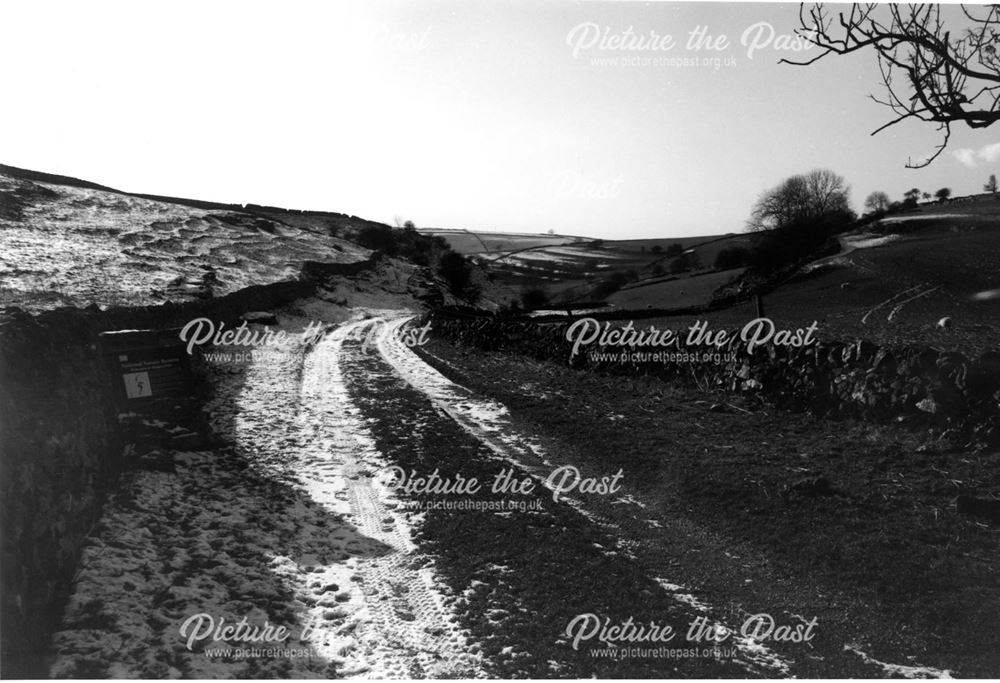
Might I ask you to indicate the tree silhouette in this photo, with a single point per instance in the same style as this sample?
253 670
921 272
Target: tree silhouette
800 198
877 202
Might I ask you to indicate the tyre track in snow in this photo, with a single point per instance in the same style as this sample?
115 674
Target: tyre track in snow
384 617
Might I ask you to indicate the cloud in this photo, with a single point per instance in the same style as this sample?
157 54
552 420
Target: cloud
990 153
965 156
971 157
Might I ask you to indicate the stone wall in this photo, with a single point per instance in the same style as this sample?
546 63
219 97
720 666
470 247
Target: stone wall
919 386
318 270
60 448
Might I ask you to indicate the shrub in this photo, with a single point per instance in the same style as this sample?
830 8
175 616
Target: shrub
679 265
457 272
610 285
405 242
731 257
378 237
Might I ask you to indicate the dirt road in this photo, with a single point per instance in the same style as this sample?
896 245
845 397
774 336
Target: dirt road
400 525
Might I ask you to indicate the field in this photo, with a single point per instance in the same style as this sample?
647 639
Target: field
894 283
892 280
569 267
677 292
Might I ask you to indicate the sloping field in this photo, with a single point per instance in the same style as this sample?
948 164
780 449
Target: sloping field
496 243
680 292
895 281
530 259
72 245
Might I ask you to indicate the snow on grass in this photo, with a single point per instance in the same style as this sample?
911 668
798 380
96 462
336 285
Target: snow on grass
867 240
900 670
146 251
753 655
923 217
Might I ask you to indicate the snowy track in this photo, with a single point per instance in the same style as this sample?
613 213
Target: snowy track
393 612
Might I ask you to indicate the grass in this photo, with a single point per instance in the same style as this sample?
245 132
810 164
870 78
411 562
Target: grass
887 539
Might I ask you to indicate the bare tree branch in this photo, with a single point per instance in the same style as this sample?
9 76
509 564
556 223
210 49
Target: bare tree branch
947 79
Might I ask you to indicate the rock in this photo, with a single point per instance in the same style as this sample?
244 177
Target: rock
928 406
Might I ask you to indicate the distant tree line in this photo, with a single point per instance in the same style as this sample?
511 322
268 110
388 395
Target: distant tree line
878 203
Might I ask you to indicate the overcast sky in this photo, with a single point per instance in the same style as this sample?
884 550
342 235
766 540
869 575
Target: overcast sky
492 115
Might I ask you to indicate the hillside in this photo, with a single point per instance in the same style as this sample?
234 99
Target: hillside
568 268
70 242
77 244
894 280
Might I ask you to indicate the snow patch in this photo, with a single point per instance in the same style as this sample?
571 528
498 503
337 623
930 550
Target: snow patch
900 670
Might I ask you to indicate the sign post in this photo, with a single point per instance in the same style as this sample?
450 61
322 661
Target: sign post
146 366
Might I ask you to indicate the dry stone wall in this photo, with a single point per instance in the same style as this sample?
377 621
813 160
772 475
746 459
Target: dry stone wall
859 379
61 448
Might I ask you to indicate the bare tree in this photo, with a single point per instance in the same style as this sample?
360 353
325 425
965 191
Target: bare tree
931 72
911 198
991 184
801 197
877 202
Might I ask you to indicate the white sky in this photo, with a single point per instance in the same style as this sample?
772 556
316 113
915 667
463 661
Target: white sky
450 113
